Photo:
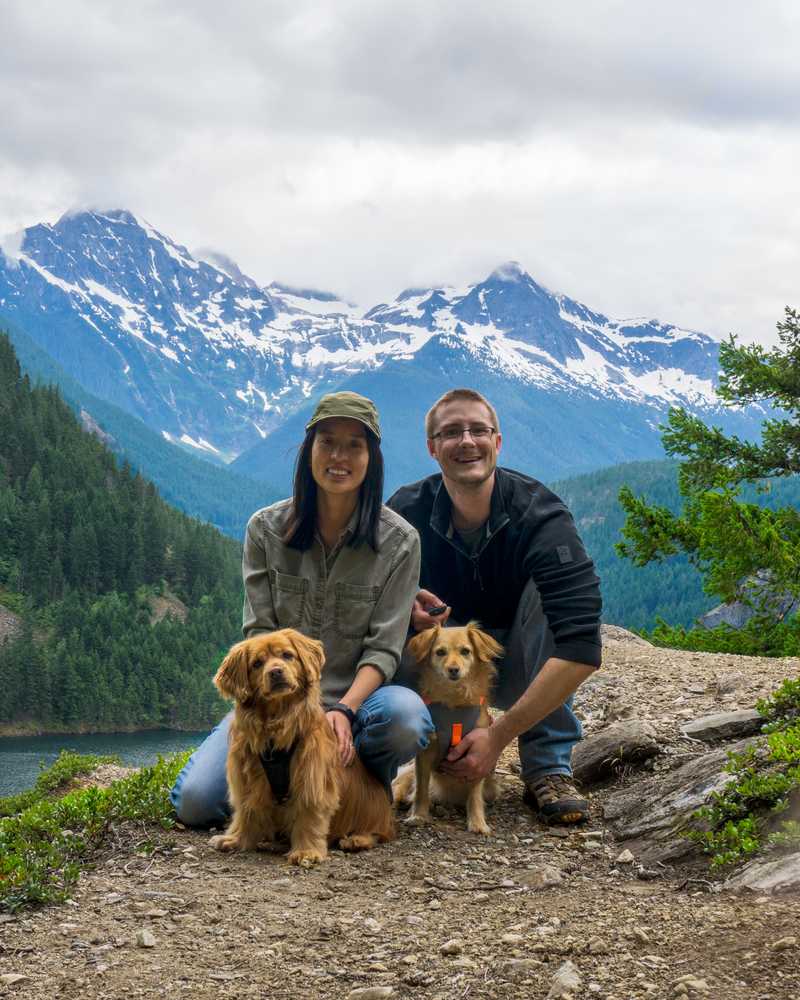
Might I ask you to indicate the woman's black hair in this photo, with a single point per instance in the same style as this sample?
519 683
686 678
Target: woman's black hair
303 520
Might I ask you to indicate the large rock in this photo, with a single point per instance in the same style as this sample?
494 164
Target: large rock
616 633
756 590
655 812
602 754
779 875
724 726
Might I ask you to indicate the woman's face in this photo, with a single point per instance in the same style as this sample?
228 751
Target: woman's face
339 455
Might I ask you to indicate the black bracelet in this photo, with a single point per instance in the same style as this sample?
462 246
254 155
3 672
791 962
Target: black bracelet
345 710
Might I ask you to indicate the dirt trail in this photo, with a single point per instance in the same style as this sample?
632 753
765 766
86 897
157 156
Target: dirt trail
439 914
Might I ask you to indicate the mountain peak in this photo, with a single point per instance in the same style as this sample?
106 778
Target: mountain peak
512 271
222 262
96 214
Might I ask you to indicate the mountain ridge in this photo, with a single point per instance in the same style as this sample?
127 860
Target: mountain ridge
217 364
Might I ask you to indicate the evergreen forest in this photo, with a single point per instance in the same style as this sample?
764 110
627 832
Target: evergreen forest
635 596
88 553
212 493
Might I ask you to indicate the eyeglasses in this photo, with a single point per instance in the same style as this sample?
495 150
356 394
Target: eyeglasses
478 432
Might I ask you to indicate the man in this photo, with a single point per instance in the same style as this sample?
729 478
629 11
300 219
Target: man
499 547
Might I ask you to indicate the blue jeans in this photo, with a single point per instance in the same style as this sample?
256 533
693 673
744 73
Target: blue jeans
545 748
391 727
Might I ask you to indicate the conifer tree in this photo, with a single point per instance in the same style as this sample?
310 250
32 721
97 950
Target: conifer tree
732 542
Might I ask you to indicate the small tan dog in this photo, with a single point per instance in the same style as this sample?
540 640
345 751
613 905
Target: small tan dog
456 674
285 775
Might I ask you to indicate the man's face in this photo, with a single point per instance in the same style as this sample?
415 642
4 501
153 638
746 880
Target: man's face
464 460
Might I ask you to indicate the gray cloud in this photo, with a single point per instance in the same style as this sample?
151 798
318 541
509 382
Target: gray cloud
636 156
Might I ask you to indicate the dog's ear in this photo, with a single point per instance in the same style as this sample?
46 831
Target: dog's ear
421 645
232 678
310 652
485 647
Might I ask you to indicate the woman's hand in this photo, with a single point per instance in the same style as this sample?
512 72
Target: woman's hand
340 725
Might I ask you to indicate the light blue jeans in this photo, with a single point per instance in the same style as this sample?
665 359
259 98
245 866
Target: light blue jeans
391 727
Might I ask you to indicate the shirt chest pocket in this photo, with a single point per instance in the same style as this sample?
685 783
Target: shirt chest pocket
289 598
354 609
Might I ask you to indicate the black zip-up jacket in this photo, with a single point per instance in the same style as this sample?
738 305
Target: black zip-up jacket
530 536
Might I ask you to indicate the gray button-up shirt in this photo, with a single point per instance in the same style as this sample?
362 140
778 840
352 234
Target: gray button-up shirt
355 601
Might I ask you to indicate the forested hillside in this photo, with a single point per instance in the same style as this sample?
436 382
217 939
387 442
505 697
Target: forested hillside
633 596
88 550
212 493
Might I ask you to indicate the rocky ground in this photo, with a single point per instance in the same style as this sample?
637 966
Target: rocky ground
10 624
531 912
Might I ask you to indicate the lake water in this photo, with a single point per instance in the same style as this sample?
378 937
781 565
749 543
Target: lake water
20 756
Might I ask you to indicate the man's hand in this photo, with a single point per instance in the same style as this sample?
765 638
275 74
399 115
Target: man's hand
340 725
474 757
420 619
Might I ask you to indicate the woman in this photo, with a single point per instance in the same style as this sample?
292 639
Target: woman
336 564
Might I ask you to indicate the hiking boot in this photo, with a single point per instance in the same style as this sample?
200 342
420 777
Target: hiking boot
556 799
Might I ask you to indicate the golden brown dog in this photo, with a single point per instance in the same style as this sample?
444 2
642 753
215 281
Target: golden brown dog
456 671
274 680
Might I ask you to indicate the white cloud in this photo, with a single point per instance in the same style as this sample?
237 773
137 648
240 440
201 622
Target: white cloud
638 157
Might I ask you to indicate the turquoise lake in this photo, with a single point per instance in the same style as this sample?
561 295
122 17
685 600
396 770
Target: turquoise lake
20 756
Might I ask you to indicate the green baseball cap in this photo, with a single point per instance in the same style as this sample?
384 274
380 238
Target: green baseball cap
349 405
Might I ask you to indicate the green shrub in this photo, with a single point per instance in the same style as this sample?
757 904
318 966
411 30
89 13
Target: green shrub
746 815
755 639
44 847
65 767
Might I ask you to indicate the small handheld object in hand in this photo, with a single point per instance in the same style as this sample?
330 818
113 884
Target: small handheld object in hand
437 609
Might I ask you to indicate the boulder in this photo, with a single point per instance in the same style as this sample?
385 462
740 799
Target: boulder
602 754
756 592
762 875
724 726
654 813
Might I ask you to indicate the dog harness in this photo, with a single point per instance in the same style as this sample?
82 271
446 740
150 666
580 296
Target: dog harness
276 764
452 725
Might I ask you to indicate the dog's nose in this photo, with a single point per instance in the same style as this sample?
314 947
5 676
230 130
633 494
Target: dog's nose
453 671
276 674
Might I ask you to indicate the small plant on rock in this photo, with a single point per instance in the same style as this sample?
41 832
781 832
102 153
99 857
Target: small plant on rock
755 809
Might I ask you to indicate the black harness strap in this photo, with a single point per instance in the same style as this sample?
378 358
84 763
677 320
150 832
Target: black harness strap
445 718
276 764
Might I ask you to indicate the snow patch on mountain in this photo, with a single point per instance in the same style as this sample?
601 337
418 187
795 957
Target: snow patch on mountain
310 301
203 353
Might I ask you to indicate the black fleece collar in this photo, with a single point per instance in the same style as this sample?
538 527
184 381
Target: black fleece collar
442 511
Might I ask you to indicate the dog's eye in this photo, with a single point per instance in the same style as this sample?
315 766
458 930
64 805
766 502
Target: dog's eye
287 655
258 662
465 650
440 652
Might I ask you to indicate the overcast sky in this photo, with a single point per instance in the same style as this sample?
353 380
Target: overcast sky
642 157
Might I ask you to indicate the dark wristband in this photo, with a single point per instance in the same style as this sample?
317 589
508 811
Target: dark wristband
348 712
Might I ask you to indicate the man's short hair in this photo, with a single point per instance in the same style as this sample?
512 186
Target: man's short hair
471 394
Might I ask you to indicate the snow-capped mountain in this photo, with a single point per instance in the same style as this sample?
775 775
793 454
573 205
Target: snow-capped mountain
547 340
204 355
